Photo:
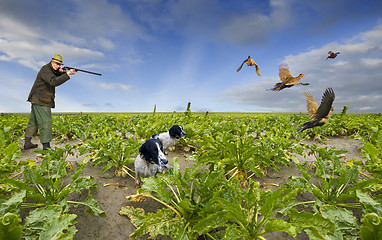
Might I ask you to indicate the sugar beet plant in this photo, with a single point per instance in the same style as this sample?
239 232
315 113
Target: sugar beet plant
50 222
337 191
112 150
50 187
230 153
184 202
242 154
46 188
333 178
202 203
372 152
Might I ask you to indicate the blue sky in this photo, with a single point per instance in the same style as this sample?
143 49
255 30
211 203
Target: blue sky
171 52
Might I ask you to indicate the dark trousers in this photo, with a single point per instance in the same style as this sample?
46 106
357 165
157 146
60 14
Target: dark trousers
40 120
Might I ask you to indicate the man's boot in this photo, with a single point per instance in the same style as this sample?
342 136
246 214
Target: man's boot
28 143
46 146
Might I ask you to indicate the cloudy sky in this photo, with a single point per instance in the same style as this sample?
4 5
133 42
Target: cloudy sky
171 52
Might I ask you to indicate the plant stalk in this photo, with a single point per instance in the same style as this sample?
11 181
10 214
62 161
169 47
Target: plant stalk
123 169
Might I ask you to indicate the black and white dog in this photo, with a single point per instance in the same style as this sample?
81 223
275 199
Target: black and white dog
170 138
150 161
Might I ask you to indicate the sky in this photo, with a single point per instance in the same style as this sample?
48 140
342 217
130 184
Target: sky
166 53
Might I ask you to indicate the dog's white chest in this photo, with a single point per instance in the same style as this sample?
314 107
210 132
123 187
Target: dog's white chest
145 168
166 140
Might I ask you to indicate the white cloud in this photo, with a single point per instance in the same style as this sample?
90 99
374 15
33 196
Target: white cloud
109 86
372 61
19 46
79 32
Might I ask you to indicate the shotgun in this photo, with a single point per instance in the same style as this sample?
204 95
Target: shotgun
80 70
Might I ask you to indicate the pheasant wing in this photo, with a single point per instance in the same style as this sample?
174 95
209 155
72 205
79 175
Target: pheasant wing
284 73
326 103
241 66
311 104
257 70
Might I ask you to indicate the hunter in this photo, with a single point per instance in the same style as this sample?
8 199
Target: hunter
42 97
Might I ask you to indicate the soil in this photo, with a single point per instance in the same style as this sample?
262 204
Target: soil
111 198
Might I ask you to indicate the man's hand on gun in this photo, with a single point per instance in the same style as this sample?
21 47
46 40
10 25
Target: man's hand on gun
70 72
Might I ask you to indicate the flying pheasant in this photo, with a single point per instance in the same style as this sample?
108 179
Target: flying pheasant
286 78
250 62
332 54
319 115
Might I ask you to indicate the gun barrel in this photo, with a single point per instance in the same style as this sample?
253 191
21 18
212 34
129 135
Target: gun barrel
81 70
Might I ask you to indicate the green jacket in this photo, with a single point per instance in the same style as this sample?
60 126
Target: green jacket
43 90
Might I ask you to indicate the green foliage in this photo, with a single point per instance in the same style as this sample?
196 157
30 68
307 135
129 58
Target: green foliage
112 150
185 202
239 152
249 214
12 127
201 203
10 227
372 151
372 227
345 109
231 153
315 225
187 113
206 200
8 155
50 185
49 223
333 178
346 224
10 219
371 219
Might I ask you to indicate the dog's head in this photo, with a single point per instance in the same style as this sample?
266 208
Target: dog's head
152 151
177 132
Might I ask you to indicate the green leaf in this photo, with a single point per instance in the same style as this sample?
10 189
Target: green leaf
136 215
233 211
232 233
372 227
38 218
56 228
93 208
277 199
315 225
12 204
8 156
10 227
345 222
84 183
157 187
153 223
252 197
49 223
211 222
370 204
277 225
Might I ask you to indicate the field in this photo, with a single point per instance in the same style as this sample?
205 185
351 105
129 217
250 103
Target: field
234 176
